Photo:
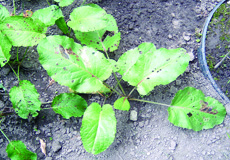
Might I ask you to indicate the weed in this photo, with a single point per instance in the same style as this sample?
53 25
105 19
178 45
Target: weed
84 69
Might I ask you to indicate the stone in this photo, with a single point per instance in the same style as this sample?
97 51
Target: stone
133 115
186 36
56 146
191 55
187 69
173 89
178 82
173 145
170 36
48 158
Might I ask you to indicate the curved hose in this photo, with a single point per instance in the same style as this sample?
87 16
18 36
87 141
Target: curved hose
202 57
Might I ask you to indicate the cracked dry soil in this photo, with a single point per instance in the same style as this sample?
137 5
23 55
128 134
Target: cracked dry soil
166 23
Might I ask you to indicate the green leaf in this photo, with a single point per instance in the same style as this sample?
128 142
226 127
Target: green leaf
98 128
145 67
69 105
3 13
64 3
191 109
23 31
87 19
48 15
122 104
62 25
25 99
107 38
83 69
5 47
16 150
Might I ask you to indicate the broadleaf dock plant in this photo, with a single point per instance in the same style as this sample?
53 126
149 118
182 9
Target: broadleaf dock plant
85 67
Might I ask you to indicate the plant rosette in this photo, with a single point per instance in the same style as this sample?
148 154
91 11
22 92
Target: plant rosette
84 67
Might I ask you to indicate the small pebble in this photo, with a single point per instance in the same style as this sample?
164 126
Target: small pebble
133 115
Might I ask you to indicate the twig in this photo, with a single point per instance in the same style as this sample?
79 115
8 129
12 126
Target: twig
47 102
218 64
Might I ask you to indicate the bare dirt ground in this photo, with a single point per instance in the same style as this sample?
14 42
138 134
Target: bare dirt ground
166 23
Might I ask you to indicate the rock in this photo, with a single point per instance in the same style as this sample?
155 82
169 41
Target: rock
172 145
5 71
187 69
186 36
173 89
48 158
170 36
176 23
192 57
133 115
178 82
141 124
56 146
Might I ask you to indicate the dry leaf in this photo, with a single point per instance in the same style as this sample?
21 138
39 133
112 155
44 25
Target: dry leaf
43 146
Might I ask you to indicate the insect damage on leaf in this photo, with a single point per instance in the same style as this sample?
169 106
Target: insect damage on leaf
28 13
107 33
205 108
63 52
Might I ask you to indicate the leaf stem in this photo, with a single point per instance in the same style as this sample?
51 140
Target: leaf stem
17 75
132 91
5 135
48 2
112 88
141 100
113 71
14 7
24 55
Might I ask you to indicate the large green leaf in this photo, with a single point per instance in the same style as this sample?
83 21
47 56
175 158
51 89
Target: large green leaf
3 13
69 105
48 15
64 3
23 31
145 67
87 19
107 38
83 69
98 128
25 99
5 47
122 104
191 109
16 150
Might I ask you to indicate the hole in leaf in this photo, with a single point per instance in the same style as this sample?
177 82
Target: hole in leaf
189 114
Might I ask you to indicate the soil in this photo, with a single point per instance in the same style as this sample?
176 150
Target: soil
217 46
166 23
